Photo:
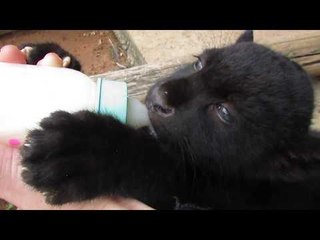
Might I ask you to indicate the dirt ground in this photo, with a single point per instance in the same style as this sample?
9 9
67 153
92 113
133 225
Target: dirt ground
97 51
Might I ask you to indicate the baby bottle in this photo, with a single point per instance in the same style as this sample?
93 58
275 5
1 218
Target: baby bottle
29 93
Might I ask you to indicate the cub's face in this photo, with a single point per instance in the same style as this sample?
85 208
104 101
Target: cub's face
234 104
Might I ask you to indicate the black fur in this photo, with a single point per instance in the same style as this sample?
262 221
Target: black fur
41 49
262 155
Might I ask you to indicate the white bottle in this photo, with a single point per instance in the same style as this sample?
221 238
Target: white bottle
29 93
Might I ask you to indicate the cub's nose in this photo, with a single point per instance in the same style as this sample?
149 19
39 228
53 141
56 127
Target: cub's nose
156 102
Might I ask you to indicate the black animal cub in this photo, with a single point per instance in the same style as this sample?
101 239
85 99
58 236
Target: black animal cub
37 51
228 132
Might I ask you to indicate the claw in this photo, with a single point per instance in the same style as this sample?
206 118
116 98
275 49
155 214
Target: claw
26 50
66 61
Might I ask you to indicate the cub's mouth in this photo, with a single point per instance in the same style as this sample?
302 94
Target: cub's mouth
150 109
159 109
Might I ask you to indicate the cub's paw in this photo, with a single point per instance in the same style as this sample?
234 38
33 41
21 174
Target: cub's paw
64 158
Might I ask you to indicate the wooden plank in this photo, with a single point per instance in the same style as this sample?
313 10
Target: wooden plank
316 112
134 56
141 78
301 46
276 36
305 51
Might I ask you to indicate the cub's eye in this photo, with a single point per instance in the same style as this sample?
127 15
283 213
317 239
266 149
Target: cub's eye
223 113
198 65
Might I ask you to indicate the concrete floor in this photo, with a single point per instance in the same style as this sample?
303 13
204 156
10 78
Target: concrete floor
159 46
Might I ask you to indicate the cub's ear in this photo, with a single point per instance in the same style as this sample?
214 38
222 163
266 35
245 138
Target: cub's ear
247 36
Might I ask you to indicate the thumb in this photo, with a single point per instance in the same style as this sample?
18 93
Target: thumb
12 188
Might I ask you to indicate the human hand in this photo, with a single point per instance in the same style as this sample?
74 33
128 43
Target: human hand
15 191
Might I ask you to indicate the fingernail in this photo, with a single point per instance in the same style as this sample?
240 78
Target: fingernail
14 142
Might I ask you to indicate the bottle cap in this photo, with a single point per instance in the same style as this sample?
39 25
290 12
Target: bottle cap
112 98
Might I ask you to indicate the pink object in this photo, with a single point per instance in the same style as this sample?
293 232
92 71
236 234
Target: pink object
14 142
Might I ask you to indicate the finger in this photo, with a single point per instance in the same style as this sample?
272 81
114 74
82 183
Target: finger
15 191
12 54
26 51
52 60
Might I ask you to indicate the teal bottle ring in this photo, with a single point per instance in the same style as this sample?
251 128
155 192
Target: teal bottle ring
112 99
